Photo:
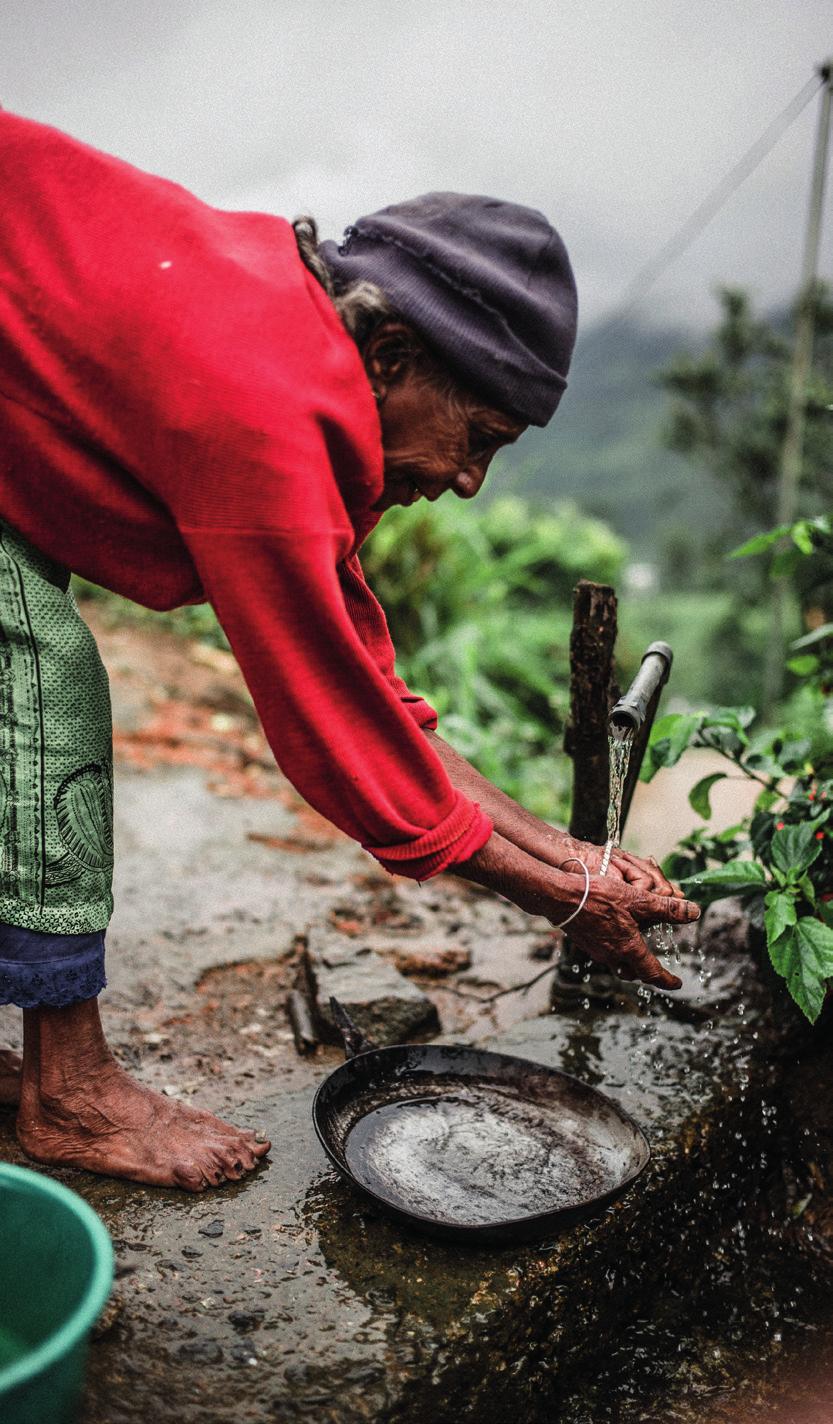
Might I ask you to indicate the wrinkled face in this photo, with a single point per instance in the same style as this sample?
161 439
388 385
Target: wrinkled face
435 436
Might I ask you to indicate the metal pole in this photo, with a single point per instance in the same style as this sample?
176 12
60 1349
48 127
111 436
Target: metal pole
792 450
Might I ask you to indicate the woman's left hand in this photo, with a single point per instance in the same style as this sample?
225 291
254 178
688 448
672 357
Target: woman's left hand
642 874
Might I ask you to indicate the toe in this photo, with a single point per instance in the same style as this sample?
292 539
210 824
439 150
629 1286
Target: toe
190 1177
236 1159
247 1156
234 1168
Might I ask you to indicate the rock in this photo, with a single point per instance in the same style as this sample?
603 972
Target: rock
246 1320
428 963
205 1352
382 1002
724 927
212 1228
244 1352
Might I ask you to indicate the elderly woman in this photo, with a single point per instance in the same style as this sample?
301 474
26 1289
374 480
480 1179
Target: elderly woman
197 404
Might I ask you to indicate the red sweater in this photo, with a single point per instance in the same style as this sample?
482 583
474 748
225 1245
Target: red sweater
183 417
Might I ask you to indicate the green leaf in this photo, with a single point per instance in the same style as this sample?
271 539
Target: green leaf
803 665
808 980
779 916
737 877
804 983
794 848
767 799
760 542
678 729
739 718
802 536
698 796
670 737
735 872
804 964
783 953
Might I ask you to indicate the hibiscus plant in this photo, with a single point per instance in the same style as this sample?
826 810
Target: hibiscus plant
780 859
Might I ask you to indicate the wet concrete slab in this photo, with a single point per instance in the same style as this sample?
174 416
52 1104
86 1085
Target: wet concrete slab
283 1297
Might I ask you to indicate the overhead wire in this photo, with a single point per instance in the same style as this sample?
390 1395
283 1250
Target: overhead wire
704 213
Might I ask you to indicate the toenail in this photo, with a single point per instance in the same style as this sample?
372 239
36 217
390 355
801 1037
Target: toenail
261 1137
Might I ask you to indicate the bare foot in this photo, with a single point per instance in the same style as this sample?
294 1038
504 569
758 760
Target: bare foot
79 1108
11 1065
115 1126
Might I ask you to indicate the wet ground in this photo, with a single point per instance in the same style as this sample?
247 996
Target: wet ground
283 1297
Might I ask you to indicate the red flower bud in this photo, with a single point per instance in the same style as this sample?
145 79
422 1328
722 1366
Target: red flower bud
819 835
779 825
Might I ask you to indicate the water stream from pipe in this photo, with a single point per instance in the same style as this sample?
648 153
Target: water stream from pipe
620 745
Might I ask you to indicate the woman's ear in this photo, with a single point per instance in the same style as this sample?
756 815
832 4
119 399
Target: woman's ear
388 353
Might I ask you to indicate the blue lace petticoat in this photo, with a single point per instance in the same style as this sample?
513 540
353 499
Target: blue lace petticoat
40 970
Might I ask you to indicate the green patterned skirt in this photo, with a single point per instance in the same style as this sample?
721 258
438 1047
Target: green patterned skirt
56 761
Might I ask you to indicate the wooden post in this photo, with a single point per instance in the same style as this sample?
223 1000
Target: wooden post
593 692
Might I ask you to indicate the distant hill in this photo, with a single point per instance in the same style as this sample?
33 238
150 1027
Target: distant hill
604 448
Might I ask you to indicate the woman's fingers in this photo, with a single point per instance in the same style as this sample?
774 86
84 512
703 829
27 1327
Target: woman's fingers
609 931
630 958
652 972
633 873
645 874
664 909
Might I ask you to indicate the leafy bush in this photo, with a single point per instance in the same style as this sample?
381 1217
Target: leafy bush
781 860
479 610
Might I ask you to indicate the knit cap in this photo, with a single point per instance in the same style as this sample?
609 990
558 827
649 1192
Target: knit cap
487 284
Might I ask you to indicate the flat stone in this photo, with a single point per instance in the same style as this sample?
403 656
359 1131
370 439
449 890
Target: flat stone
428 963
383 1004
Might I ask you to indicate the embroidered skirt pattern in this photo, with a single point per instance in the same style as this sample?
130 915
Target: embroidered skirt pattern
56 778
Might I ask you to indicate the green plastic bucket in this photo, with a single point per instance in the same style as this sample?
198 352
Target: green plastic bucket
56 1270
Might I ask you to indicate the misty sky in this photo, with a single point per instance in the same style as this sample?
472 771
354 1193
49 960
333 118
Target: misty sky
614 118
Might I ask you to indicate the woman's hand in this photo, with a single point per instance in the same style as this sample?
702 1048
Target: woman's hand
641 874
609 926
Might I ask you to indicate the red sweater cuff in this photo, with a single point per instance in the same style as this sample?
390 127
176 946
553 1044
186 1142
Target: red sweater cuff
421 711
463 832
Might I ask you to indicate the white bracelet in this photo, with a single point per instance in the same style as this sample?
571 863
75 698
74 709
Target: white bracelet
583 901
